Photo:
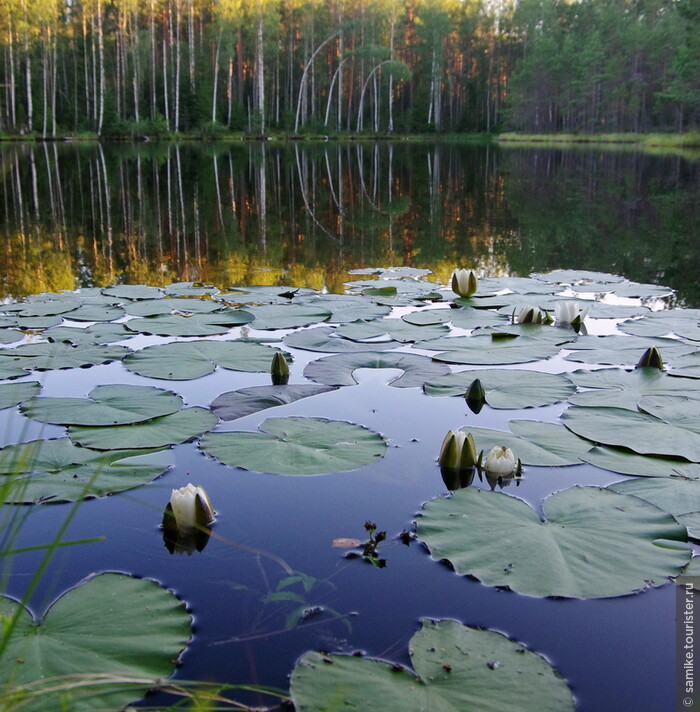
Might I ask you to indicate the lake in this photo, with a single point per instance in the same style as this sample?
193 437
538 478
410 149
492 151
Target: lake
317 216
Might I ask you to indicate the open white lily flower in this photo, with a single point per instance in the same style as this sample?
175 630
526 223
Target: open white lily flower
458 450
191 506
464 282
569 312
530 314
501 461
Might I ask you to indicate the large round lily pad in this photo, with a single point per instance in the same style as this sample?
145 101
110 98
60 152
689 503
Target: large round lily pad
329 339
107 641
639 432
490 349
395 329
167 430
455 668
236 404
181 361
59 471
505 387
12 394
630 463
298 446
287 316
105 405
47 356
198 324
592 543
338 370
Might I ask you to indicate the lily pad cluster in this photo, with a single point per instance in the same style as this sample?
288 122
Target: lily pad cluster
619 415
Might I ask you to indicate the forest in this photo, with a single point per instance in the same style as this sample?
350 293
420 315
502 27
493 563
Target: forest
134 68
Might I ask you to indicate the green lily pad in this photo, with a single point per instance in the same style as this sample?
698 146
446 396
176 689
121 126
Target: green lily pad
95 334
95 312
107 641
168 305
167 430
640 432
329 339
396 329
181 361
12 394
133 291
345 308
483 349
641 291
672 495
47 356
50 306
505 387
624 350
687 366
572 276
618 388
209 324
454 668
105 405
59 471
592 543
189 289
298 446
9 336
681 322
338 370
286 316
427 317
236 404
534 443
629 463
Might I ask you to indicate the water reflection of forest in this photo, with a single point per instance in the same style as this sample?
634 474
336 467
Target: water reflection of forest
76 215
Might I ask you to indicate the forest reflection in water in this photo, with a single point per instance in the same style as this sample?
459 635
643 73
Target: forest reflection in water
303 213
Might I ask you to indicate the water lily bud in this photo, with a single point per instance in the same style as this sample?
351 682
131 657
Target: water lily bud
464 282
531 315
191 506
475 395
279 370
458 450
651 358
500 461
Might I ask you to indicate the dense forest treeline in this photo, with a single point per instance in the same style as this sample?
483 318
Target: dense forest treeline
154 67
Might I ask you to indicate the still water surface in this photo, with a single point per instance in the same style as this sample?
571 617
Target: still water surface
84 215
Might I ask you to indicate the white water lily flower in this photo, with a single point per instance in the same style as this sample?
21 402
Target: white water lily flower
569 312
530 314
458 450
500 461
191 506
464 282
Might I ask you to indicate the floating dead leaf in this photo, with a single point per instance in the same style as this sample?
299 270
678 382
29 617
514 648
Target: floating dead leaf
346 543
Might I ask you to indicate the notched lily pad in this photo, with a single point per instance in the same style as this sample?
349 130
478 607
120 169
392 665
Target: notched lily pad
236 404
199 324
47 356
330 339
489 349
592 542
338 370
455 667
117 628
298 446
12 394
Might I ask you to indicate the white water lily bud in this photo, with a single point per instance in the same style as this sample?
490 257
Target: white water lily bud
464 282
191 506
569 312
458 450
532 315
500 461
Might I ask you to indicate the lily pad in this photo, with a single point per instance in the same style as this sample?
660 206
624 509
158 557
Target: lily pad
534 443
50 306
105 405
639 432
623 350
454 668
681 322
572 276
95 334
592 543
12 394
338 370
47 356
236 404
396 329
9 336
630 463
506 388
329 339
298 446
673 495
345 308
95 312
485 350
110 630
181 361
167 430
156 307
623 389
133 291
59 471
286 316
208 324
190 289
